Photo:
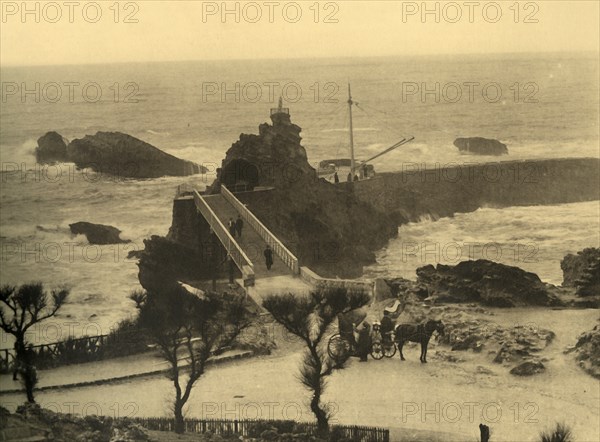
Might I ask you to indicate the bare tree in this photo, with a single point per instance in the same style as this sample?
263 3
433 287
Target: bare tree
188 330
20 309
309 318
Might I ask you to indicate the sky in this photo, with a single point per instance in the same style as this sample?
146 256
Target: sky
82 32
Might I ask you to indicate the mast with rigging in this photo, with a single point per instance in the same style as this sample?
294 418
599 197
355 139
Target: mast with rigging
350 103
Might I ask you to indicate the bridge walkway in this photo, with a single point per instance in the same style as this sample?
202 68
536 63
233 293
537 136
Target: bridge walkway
251 242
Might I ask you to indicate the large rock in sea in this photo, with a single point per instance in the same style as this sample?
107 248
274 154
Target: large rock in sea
325 225
486 282
481 146
582 271
98 233
122 155
51 148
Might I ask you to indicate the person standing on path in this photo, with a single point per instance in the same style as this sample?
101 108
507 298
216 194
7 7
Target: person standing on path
239 225
268 257
364 341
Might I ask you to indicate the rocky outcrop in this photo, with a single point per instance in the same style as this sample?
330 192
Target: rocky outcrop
51 148
122 155
481 146
528 368
582 271
163 262
588 351
33 423
98 233
470 328
485 282
326 227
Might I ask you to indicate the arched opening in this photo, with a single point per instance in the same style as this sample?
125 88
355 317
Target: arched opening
239 176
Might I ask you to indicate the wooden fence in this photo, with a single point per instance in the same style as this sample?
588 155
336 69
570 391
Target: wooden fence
250 427
80 350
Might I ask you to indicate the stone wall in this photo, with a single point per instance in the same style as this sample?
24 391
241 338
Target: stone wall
317 282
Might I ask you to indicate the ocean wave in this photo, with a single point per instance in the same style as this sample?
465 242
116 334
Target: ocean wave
162 134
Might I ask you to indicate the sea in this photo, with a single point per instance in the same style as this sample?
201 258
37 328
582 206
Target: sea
540 105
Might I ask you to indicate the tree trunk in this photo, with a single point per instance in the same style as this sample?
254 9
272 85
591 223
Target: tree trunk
321 415
484 431
179 423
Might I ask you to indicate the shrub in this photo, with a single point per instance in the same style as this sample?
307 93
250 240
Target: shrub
562 433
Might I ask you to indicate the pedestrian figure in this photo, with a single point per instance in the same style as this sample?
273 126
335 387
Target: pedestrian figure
232 227
268 257
387 327
349 177
239 225
336 178
364 341
356 177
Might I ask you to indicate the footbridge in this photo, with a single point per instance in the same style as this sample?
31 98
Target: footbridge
246 250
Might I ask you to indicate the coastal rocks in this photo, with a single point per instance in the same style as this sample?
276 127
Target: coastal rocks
122 155
588 351
400 288
582 271
98 233
522 343
163 262
481 146
51 148
325 226
528 368
31 422
485 282
518 346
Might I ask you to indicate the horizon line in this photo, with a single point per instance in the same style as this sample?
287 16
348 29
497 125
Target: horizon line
337 57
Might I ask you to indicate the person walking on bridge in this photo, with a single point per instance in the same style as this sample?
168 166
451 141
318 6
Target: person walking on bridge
232 227
268 257
239 225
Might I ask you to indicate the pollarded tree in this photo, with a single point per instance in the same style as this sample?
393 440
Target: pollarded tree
189 328
309 318
20 309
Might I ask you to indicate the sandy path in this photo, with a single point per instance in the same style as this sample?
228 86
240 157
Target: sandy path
439 396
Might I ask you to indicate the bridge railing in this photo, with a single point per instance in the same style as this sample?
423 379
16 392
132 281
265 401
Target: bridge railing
233 249
280 250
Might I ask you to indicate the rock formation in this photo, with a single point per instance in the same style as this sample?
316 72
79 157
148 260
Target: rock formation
98 233
163 262
582 271
122 155
114 153
528 368
486 282
324 225
481 146
33 423
51 148
588 351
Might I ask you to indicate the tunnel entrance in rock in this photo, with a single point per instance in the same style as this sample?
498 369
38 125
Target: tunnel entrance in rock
240 175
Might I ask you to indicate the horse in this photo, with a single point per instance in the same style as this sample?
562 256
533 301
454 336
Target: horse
420 333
